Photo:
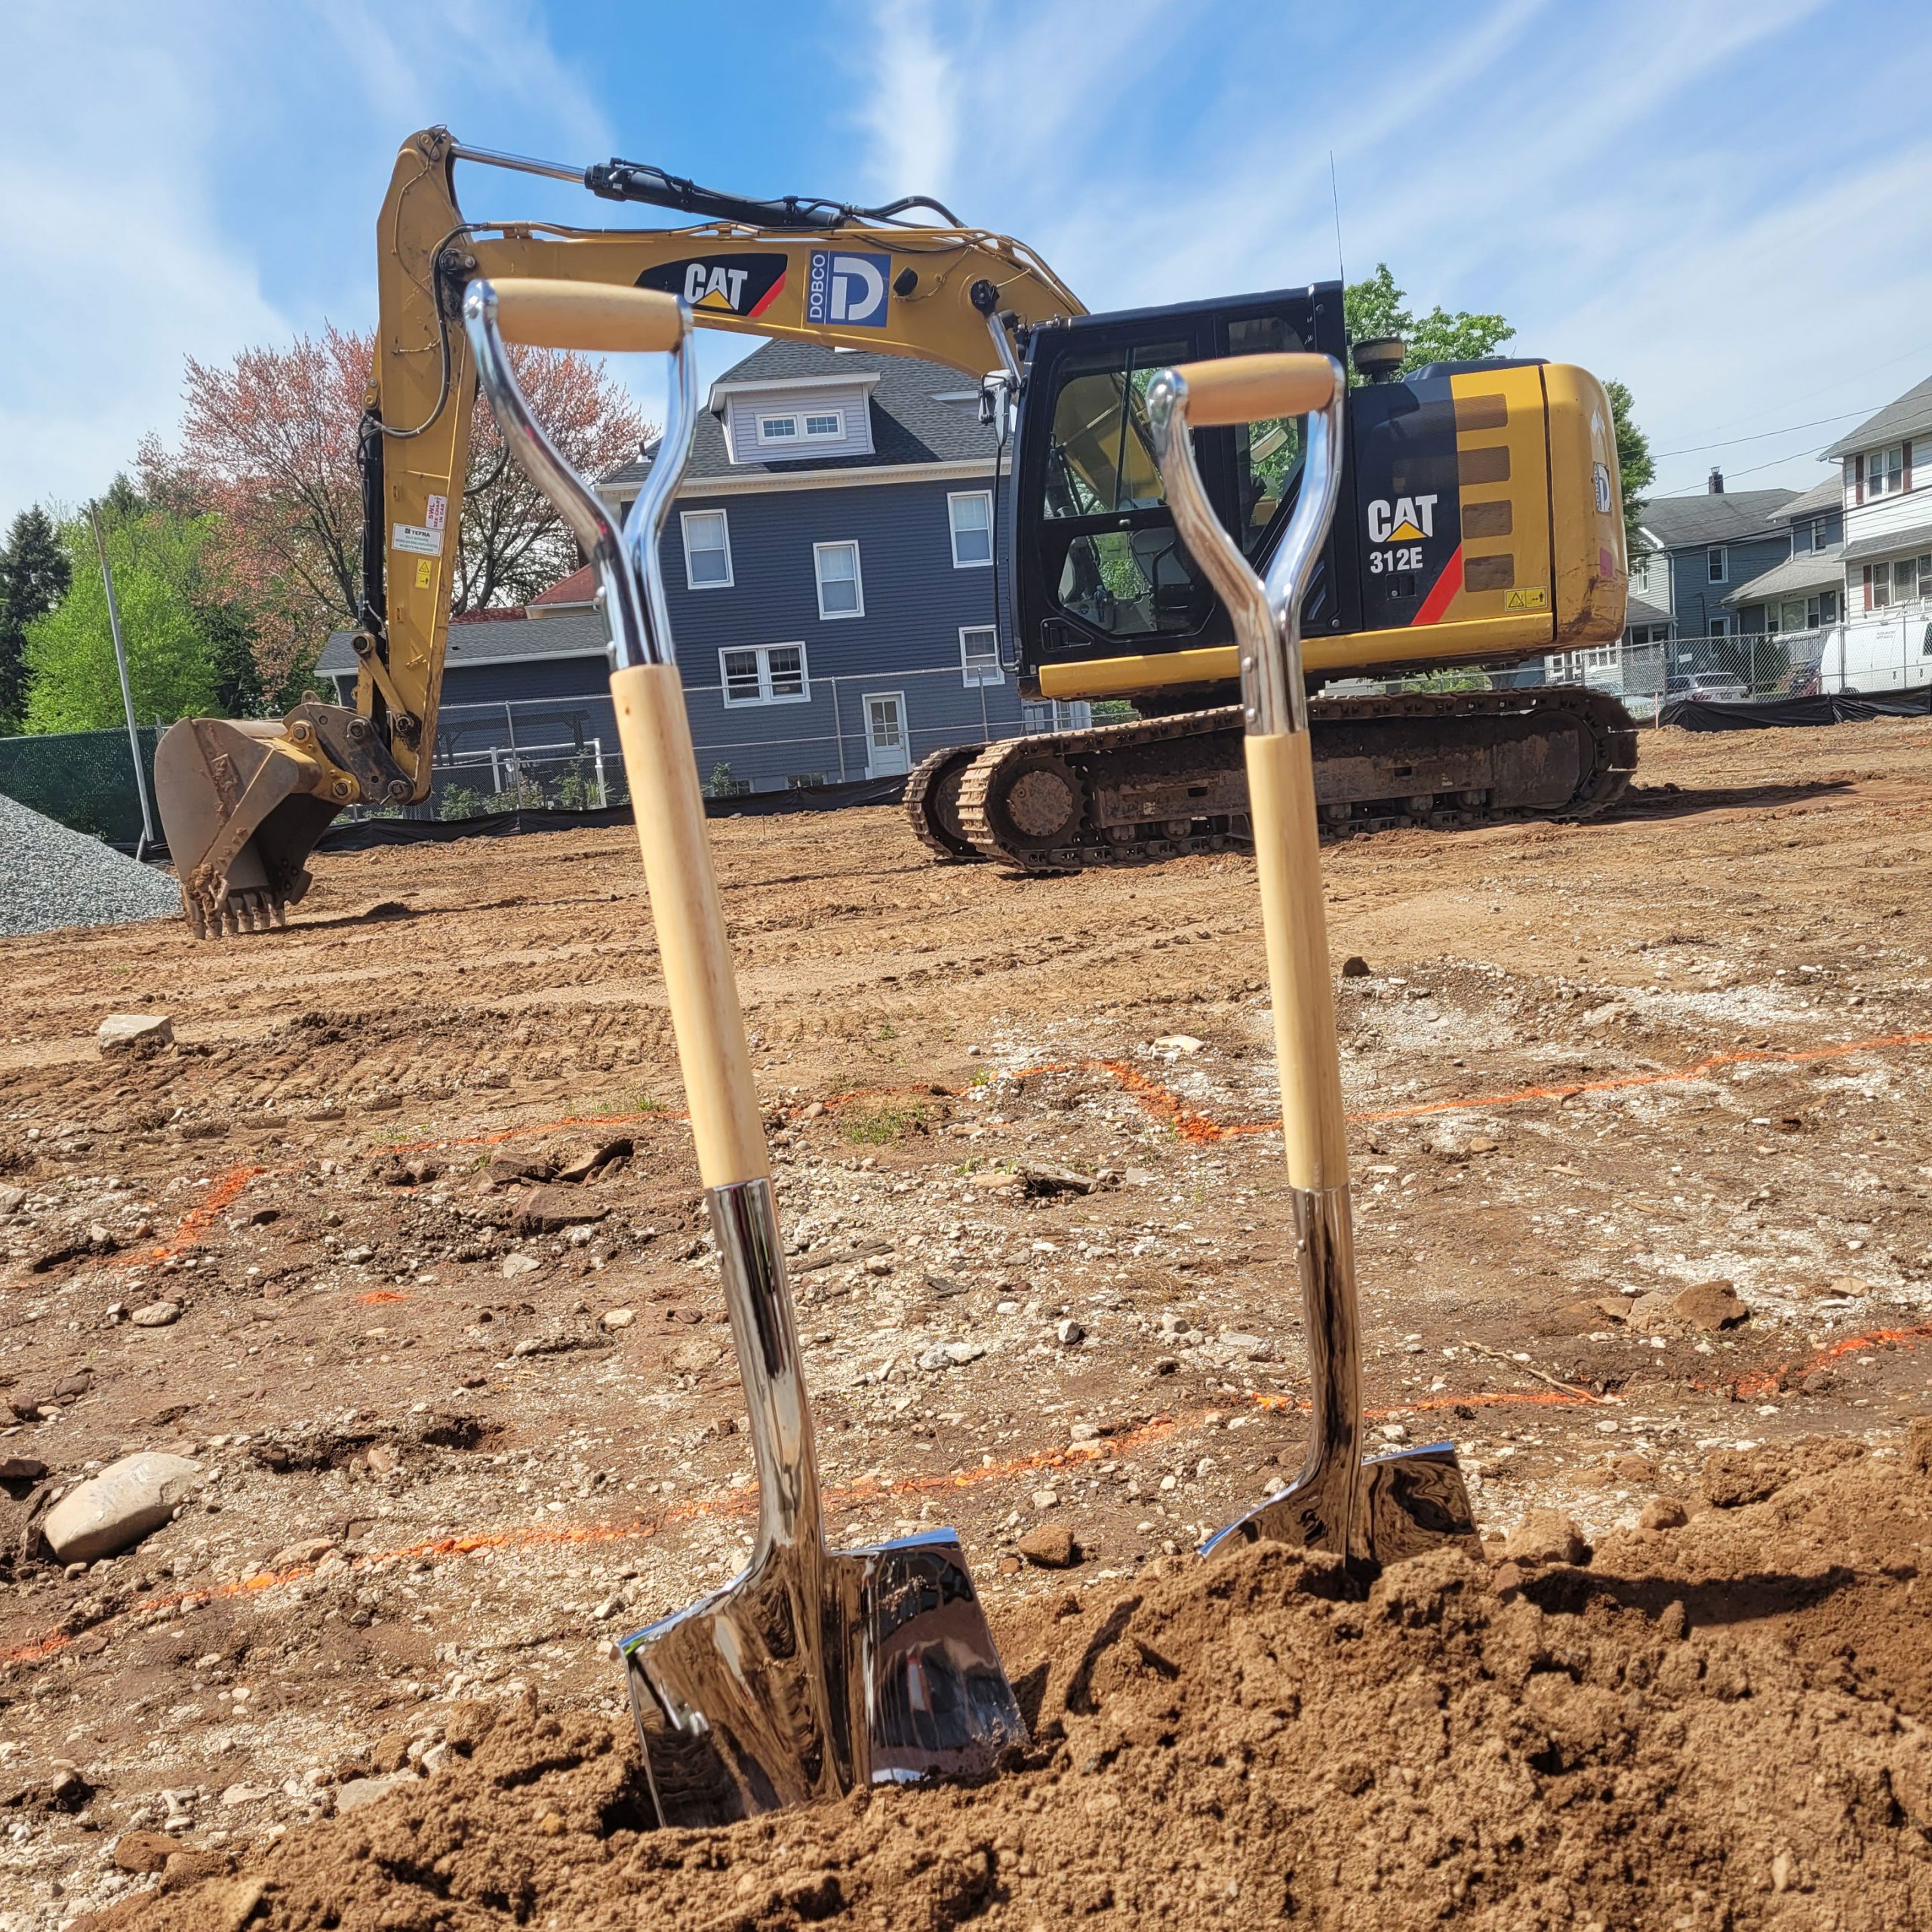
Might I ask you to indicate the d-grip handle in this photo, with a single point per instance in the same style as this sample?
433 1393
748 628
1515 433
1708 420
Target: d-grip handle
1250 388
661 767
576 314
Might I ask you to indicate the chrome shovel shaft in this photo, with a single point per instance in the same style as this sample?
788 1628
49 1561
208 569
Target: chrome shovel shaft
1368 1512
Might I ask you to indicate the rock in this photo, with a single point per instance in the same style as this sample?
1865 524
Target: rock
184 1869
116 1508
295 1555
1633 1469
1184 1044
1663 1512
1709 1305
136 1033
157 1314
514 1265
1482 1143
1547 1535
243 1794
1043 1183
1355 966
508 1164
587 1162
21 1468
12 1200
693 1357
1820 1382
1051 1546
356 1792
1247 1348
1068 1333
620 1318
1849 1286
546 1210
383 1459
1046 1499
992 1178
951 1355
1649 1311
145 1852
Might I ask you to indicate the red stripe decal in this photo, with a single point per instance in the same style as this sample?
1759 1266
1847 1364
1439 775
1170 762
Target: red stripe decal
1444 587
765 300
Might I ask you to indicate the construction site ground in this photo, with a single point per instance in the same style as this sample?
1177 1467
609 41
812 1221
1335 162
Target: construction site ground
460 1426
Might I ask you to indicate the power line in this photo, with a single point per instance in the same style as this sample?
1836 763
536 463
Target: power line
1790 429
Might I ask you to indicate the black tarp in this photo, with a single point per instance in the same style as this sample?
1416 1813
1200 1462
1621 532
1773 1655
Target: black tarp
1836 708
366 834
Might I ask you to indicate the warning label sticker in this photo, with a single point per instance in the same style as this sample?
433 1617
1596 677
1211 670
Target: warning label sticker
437 514
1530 597
416 539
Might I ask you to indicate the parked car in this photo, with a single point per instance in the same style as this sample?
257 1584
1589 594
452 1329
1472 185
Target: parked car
1709 687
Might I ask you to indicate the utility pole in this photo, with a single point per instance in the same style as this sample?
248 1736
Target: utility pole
127 692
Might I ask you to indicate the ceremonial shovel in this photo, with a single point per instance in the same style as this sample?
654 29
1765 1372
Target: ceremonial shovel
815 1671
1397 1505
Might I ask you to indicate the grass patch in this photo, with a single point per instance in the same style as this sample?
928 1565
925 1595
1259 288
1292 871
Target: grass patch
875 1126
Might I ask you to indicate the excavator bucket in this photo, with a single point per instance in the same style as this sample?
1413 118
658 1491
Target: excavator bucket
243 803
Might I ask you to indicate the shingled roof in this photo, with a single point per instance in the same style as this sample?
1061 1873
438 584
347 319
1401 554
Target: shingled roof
1911 415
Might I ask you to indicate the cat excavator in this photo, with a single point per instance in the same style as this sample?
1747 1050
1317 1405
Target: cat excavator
1481 527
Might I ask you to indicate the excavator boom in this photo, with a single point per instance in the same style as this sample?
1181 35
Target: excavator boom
244 802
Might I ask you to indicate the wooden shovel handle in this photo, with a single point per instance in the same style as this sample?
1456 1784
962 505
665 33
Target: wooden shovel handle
579 315
1281 796
1251 388
659 763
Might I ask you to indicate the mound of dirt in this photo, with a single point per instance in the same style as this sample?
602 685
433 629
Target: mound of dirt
1721 1726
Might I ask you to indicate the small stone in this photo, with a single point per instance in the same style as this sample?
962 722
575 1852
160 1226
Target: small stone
580 1236
547 1210
1820 1382
383 1459
354 1793
514 1265
1709 1305
145 1852
1851 1287
992 1178
877 1264
1068 1333
1082 1431
295 1555
243 1794
1184 1044
21 1468
1547 1535
1051 1546
1481 1143
1663 1512
620 1318
157 1314
12 1199
1046 1499
136 1033
1649 1311
126 1502
694 1356
1355 966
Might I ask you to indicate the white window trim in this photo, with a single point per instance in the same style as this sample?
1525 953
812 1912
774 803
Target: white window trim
966 668
1721 552
790 439
866 700
985 563
858 580
808 435
684 531
802 695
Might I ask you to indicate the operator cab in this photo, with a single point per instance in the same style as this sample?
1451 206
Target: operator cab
1098 569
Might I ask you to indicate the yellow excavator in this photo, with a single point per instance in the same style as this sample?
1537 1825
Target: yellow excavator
1480 526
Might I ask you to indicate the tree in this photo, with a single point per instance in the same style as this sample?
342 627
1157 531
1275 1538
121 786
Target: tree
270 443
34 572
1634 463
72 682
1376 307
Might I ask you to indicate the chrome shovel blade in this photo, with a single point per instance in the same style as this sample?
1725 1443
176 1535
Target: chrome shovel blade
789 1685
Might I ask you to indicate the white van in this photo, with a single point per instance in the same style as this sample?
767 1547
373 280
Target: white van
1884 653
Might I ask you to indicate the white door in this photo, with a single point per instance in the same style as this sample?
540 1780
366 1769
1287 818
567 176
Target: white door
886 753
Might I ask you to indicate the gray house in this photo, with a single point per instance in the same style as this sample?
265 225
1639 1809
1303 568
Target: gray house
1698 551
830 572
1803 592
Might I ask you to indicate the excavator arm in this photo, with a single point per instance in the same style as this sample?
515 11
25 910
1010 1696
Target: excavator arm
244 802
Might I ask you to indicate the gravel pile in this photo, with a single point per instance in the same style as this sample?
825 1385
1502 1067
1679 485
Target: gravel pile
52 877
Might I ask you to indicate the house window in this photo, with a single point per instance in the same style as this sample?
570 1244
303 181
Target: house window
1878 587
1820 532
707 550
971 512
822 424
1717 563
765 674
778 428
979 655
840 592
1884 473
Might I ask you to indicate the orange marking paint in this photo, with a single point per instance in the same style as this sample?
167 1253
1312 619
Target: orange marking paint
1769 1382
378 1295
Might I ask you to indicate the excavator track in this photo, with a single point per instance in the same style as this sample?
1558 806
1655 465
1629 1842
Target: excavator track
1133 795
932 801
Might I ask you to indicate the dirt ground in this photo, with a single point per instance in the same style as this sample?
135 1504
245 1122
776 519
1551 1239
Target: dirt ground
450 1347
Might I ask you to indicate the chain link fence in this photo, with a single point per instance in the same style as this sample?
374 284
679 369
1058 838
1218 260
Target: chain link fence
84 779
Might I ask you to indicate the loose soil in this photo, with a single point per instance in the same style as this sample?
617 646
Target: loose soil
450 1350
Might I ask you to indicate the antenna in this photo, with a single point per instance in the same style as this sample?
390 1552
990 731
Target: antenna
1335 195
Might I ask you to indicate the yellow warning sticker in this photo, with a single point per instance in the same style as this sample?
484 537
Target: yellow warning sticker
425 573
1529 597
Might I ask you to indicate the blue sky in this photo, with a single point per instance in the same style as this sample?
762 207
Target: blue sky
1685 194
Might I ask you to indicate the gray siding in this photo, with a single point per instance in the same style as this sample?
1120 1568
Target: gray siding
1695 601
742 413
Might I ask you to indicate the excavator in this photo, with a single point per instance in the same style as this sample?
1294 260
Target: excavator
1481 527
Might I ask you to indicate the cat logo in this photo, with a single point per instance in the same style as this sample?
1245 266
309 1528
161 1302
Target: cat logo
1408 519
737 284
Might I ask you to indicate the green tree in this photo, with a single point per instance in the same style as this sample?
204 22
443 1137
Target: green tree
1634 463
34 575
72 685
1376 307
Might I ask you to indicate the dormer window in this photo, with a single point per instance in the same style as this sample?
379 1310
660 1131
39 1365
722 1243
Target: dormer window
794 426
